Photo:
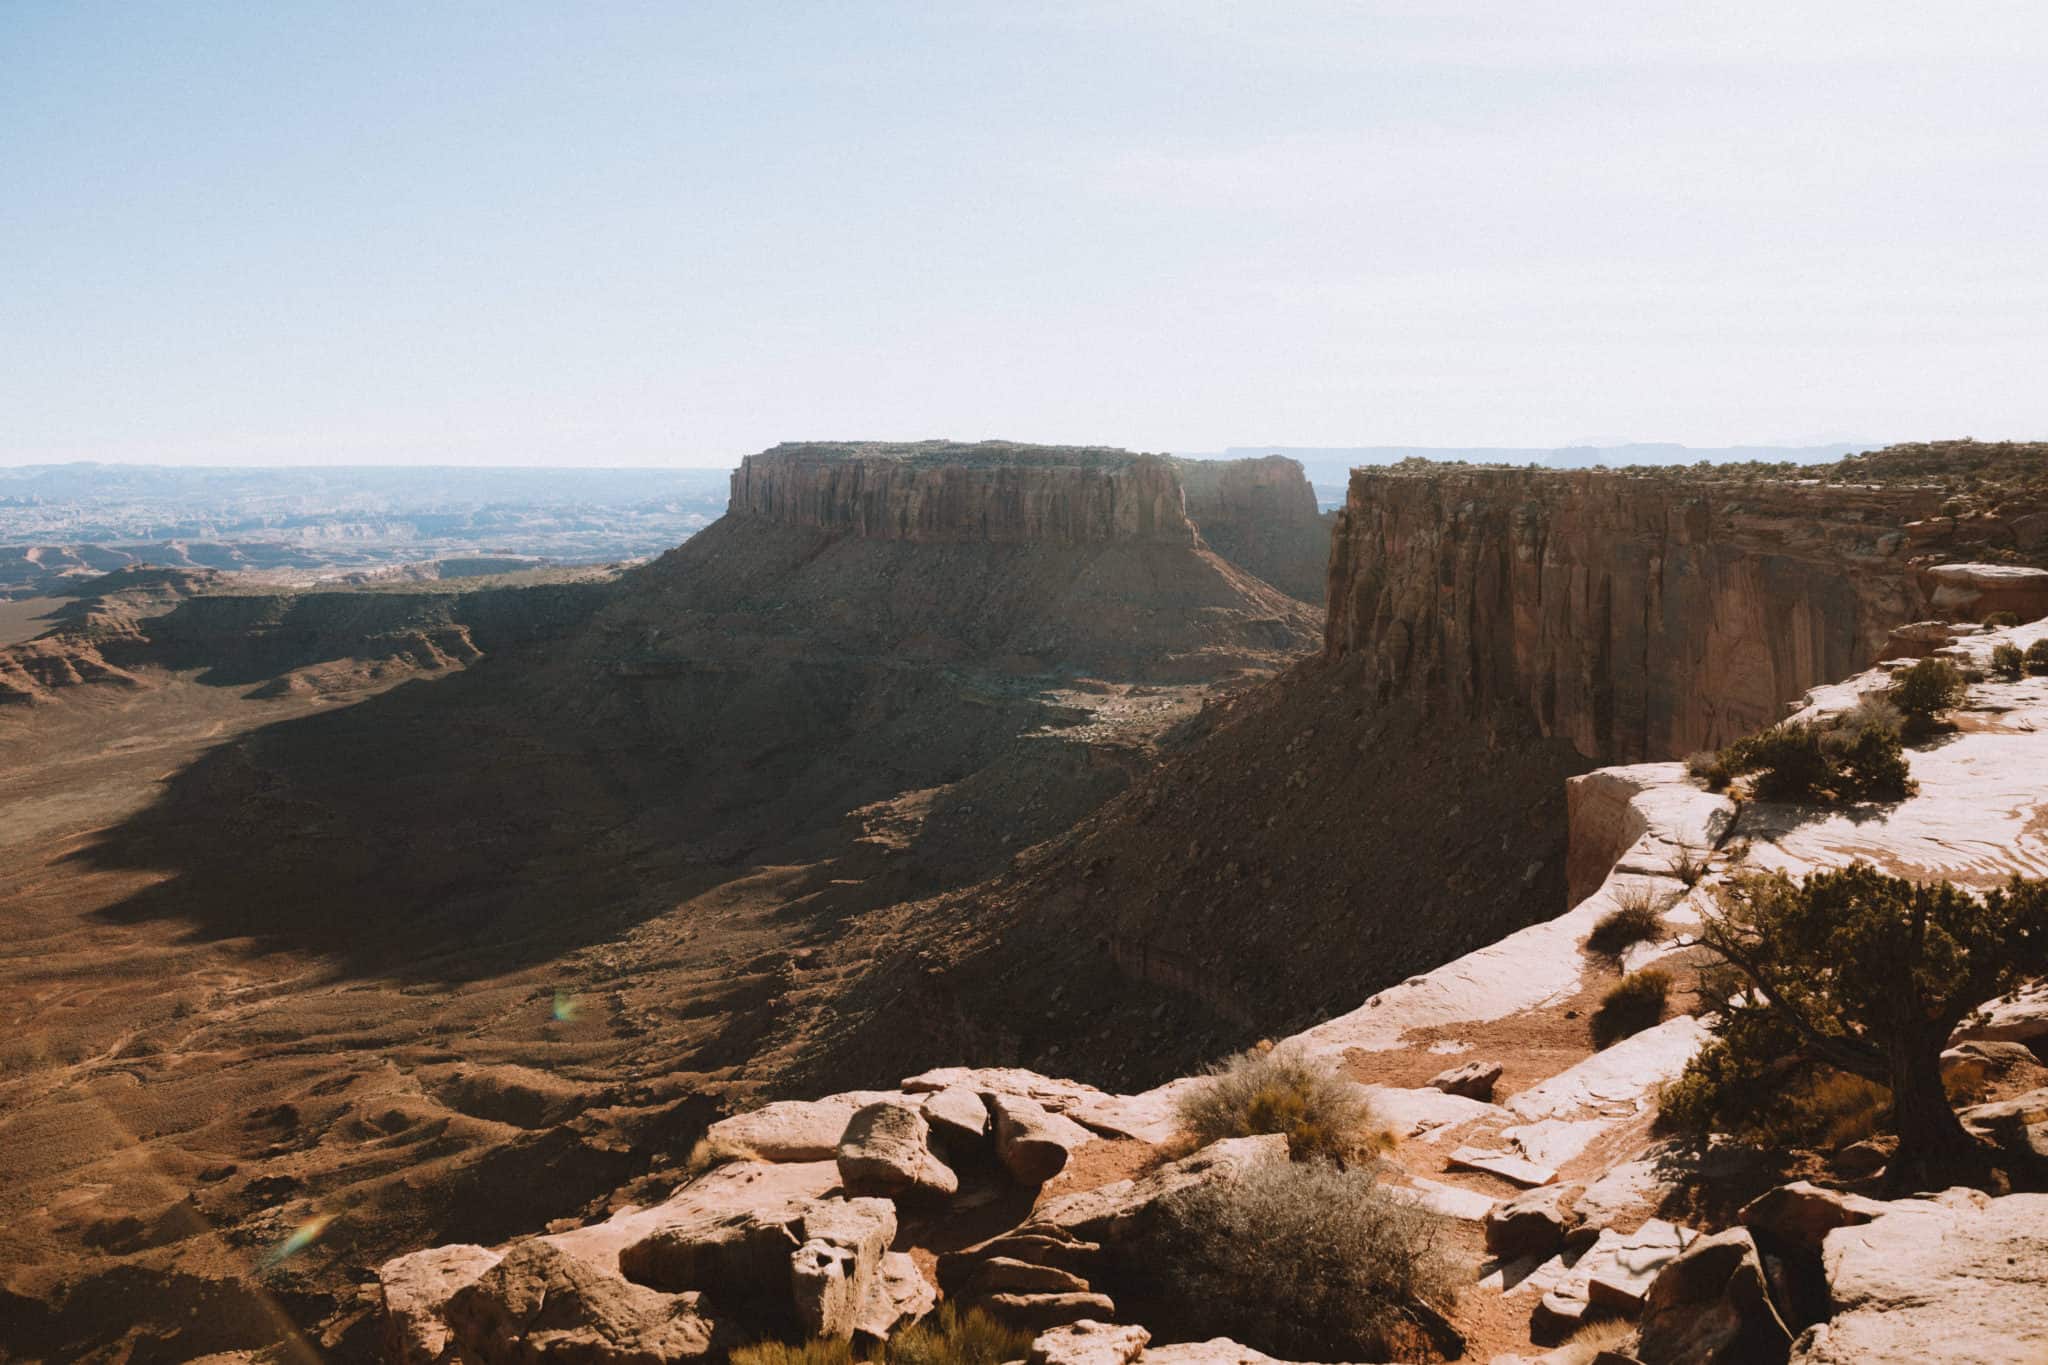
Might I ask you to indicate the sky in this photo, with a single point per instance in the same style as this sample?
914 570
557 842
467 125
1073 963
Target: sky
610 234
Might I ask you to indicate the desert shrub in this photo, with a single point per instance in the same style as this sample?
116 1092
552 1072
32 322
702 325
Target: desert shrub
1301 1260
826 1351
1999 620
1323 1113
1706 767
947 1337
1634 1003
1688 865
1931 686
1756 1085
1828 764
1585 1346
1871 708
2037 656
1871 766
950 1337
710 1152
2008 660
1866 974
1636 918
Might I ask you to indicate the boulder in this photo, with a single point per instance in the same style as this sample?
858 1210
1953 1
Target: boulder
539 1302
1712 1306
1051 1092
815 1265
1115 1211
2021 1017
1043 1312
416 1290
1417 1112
2006 1121
1032 1144
733 1257
734 1189
1532 1224
1089 1343
958 1118
1960 1279
1049 1246
900 1294
1473 1080
833 1276
793 1130
1004 1275
1801 1215
1619 1279
1980 1061
886 1150
1613 1274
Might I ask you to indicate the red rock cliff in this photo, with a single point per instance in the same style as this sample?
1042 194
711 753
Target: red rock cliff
991 491
1260 514
1640 618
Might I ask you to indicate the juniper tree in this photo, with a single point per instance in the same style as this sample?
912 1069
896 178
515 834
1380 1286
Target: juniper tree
1872 973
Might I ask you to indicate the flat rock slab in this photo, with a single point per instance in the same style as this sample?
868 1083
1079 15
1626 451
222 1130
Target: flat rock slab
1153 1116
795 1130
1050 1091
1509 1166
886 1150
1619 1081
416 1291
1614 1273
1960 1278
738 1187
1468 1206
1413 1113
1553 1142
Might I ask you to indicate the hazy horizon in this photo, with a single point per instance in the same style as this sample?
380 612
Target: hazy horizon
623 237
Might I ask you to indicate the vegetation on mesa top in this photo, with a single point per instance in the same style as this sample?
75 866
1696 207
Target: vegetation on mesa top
1988 471
968 454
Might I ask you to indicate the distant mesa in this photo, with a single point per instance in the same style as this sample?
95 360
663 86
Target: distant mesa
1000 492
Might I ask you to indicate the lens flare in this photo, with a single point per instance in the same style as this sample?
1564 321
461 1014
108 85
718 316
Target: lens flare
566 1005
302 1237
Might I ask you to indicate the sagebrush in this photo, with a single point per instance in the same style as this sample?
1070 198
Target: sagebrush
1301 1260
1321 1112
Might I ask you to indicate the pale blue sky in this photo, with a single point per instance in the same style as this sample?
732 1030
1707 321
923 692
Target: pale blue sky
672 233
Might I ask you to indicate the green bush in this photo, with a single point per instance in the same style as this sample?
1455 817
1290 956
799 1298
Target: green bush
2007 660
2037 656
1931 686
1827 764
1301 1260
1635 918
1999 620
1322 1112
1635 1003
1755 1083
1706 767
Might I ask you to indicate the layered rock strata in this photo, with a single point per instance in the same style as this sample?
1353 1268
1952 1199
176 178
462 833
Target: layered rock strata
1260 514
993 491
1637 617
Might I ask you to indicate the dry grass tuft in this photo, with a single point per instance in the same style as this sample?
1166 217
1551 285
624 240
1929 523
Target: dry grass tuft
1637 917
1323 1113
1635 1003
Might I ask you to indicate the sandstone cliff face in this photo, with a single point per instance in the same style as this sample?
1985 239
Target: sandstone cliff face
994 492
1636 617
1260 514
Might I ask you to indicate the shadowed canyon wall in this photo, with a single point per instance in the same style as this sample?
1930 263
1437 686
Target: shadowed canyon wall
1639 618
1260 514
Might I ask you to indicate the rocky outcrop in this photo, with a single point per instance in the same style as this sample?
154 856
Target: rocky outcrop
1962 1271
1637 617
1260 514
991 491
